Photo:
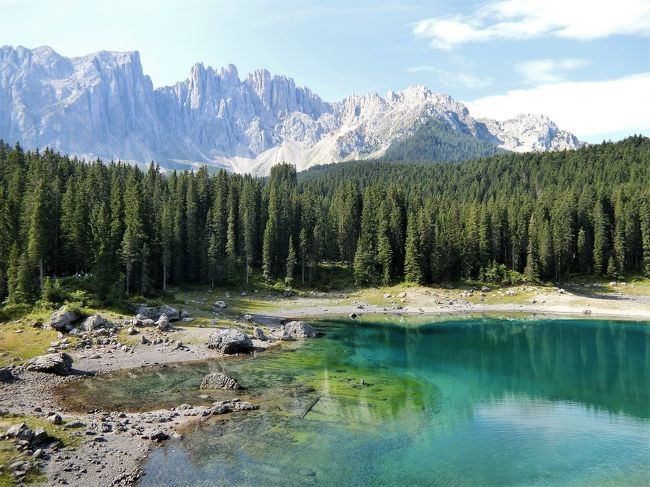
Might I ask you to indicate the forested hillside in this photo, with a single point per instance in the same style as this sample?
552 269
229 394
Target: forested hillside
437 141
542 215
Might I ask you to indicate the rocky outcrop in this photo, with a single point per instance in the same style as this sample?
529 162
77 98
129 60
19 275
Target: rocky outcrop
296 330
53 363
230 341
219 381
62 318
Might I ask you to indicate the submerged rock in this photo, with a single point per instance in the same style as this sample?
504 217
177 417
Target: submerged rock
219 381
297 330
62 318
223 407
53 363
230 341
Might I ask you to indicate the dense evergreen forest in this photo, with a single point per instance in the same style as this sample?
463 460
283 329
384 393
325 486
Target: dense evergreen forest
438 141
504 218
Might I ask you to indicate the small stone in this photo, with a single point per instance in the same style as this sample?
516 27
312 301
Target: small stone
55 419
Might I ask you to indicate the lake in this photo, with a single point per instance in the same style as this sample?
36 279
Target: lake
476 401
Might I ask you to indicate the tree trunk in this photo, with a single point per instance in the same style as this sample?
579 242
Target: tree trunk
164 278
128 278
303 271
40 271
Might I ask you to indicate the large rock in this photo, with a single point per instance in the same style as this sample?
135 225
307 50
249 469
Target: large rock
20 431
218 381
6 375
95 322
230 341
163 322
297 330
144 312
172 313
63 318
53 363
259 334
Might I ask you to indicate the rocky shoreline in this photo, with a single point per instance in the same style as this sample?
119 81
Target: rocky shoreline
110 446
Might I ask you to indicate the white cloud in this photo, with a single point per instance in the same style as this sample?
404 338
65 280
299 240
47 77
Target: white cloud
591 110
527 19
449 78
543 71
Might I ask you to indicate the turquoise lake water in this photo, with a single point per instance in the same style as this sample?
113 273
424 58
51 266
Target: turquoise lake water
466 402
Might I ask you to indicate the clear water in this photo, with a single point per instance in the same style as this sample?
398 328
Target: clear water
465 402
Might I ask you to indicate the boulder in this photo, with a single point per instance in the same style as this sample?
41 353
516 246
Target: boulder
132 330
163 322
159 436
55 418
19 432
53 363
147 312
6 375
95 322
62 318
219 381
297 330
259 334
230 341
40 437
220 305
172 313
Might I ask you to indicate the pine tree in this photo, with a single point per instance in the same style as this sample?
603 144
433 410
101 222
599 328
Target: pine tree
413 256
38 239
584 252
131 251
166 240
532 266
291 263
601 240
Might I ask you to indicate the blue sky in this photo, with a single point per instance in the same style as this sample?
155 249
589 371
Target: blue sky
586 64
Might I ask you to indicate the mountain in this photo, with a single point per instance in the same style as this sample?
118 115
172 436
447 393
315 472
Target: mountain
103 105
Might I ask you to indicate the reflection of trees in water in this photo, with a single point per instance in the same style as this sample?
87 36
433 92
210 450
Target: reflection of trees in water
605 365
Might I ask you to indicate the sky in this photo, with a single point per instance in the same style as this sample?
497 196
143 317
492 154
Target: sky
584 63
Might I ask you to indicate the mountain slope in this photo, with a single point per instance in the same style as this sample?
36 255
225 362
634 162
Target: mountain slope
436 141
103 105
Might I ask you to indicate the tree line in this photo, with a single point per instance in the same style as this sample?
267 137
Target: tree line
502 218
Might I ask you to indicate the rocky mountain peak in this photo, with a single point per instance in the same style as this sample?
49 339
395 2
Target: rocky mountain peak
103 105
